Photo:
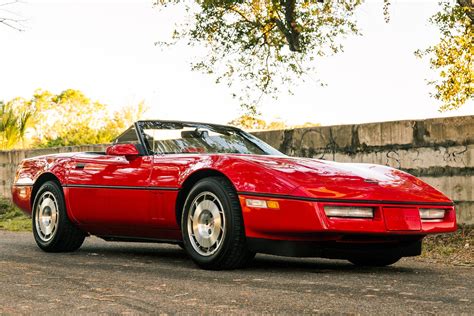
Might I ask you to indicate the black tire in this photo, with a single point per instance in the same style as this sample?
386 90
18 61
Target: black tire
231 251
65 237
374 261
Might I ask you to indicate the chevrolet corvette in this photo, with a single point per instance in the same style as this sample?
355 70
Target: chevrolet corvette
224 195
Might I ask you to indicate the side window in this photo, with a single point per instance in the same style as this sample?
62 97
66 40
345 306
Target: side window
127 137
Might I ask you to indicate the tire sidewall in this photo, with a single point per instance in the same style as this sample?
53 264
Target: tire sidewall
54 189
215 187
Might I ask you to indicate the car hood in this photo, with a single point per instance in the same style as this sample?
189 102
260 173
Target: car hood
355 181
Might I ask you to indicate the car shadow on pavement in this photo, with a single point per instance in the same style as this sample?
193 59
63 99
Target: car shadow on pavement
124 250
319 265
171 254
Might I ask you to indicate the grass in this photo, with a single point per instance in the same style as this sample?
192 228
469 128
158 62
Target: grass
456 248
12 219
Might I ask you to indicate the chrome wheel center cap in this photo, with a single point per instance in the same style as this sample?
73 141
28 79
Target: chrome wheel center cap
206 224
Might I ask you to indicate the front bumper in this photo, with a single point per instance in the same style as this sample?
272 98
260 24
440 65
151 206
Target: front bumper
404 247
305 220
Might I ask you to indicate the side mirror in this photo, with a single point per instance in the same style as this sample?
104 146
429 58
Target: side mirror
127 150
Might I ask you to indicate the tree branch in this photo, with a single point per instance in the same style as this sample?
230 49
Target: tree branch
469 5
8 3
242 15
13 23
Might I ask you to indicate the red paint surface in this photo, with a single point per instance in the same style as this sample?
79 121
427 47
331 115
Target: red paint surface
302 220
143 212
21 197
402 219
122 150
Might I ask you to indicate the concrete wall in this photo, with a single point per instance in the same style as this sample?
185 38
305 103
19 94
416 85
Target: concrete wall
9 160
440 151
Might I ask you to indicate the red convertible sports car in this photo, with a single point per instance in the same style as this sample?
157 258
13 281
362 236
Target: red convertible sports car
224 195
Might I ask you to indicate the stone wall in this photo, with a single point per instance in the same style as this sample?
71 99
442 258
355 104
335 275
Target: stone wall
439 151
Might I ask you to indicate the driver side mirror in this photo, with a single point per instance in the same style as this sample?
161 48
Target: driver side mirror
127 150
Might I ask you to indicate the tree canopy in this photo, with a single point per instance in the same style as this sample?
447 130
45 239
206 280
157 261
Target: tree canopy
452 56
259 47
254 123
264 44
67 118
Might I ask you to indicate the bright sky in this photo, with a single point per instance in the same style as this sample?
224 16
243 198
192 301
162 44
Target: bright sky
106 49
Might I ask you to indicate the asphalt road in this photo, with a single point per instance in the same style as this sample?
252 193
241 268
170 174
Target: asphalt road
151 278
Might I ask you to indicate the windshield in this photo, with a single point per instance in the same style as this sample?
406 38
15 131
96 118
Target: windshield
176 138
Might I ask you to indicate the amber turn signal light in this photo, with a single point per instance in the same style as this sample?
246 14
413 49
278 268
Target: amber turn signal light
262 203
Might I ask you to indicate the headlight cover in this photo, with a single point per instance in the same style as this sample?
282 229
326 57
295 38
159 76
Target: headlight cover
349 211
432 213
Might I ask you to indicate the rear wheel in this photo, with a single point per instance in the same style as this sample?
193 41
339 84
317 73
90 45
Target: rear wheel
374 261
52 229
212 226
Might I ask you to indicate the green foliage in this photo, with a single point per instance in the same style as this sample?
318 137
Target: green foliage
249 122
264 44
64 119
452 56
68 118
255 122
260 47
14 120
12 218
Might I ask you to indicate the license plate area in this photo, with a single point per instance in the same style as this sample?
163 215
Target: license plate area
402 218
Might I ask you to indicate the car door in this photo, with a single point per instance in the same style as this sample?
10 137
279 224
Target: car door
167 170
109 192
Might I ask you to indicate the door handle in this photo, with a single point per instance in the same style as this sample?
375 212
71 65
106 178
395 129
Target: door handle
80 166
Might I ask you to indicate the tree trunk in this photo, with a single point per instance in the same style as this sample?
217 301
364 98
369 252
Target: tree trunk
289 27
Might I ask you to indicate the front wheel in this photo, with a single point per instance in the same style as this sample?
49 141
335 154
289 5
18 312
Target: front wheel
374 261
52 229
212 226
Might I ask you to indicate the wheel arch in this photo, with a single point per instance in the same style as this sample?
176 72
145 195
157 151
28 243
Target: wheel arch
187 185
43 178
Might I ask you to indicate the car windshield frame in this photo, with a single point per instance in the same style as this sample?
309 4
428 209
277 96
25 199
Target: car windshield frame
141 126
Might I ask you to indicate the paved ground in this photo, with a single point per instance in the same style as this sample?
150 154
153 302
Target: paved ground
150 278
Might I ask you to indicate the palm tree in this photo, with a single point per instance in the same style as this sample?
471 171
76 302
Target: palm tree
12 126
